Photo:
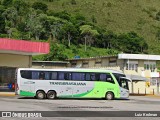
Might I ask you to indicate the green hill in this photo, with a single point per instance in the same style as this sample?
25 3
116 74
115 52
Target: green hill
118 15
107 26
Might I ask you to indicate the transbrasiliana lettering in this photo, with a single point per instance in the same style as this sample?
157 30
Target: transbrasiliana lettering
68 83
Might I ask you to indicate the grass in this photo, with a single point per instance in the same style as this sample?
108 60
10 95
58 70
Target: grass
73 51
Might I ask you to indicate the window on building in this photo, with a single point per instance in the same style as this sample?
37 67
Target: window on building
98 61
150 66
73 63
132 65
85 63
112 62
153 81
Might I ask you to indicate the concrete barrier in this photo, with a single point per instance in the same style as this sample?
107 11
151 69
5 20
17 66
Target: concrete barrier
7 93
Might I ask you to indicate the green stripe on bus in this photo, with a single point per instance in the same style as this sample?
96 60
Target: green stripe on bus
26 93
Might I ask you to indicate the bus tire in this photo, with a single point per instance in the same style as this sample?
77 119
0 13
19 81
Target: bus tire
109 96
51 95
40 95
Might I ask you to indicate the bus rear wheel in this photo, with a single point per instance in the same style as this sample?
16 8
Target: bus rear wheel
40 95
109 96
51 95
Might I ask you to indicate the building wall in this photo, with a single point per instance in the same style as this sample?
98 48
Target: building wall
91 63
79 63
120 63
105 62
12 60
140 88
140 66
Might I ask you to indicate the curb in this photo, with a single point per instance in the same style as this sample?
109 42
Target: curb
7 94
148 95
157 96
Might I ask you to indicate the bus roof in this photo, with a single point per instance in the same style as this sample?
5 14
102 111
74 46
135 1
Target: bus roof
75 69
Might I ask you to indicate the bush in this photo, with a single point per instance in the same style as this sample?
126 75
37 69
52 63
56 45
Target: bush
7 2
73 2
40 6
158 16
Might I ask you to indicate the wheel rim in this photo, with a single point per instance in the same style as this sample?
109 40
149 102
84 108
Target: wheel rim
109 96
40 95
51 95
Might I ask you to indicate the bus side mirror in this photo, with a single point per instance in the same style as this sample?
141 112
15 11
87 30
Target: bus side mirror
128 79
109 79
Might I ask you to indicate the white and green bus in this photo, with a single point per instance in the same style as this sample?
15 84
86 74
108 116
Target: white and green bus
71 82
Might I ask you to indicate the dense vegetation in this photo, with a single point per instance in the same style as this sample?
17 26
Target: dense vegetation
71 29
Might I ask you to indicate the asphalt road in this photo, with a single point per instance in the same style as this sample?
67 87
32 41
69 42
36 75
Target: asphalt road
134 103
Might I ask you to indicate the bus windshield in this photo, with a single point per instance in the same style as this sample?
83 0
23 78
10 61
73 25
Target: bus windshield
123 82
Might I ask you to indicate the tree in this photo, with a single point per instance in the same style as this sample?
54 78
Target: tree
69 31
131 43
33 24
73 2
52 26
2 20
158 16
108 38
21 6
93 18
40 6
7 2
11 15
64 15
56 53
89 33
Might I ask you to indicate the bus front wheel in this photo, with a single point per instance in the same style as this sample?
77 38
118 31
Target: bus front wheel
51 95
40 95
109 96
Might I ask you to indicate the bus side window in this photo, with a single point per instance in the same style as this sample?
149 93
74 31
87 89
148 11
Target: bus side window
54 76
97 76
88 77
103 77
35 75
47 75
109 78
78 76
67 76
61 76
26 74
106 77
92 76
41 75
